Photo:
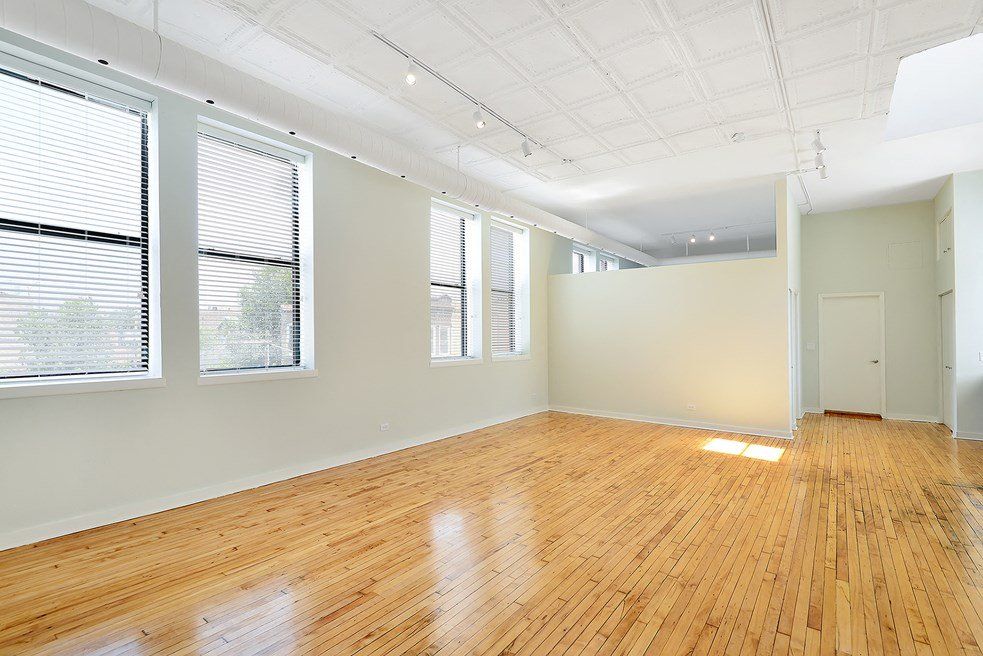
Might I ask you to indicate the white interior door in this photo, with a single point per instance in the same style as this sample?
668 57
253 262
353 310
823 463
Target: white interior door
851 356
947 377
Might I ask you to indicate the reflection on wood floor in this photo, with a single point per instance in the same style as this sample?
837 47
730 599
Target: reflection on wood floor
553 534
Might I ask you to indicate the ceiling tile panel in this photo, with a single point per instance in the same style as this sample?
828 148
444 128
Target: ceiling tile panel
604 112
320 28
683 120
723 36
553 128
521 105
828 112
380 14
696 140
665 94
648 60
541 52
498 19
794 17
600 163
826 84
611 23
757 127
832 46
646 152
483 76
433 38
749 103
625 135
577 86
577 147
919 20
737 73
685 11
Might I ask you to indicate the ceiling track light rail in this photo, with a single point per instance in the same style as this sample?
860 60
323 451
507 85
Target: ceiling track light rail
412 75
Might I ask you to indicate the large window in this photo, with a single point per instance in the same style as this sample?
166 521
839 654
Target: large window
251 271
509 289
454 312
75 264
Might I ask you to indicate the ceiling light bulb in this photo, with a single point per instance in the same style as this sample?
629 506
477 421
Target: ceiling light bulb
479 118
823 173
411 72
526 148
712 236
692 239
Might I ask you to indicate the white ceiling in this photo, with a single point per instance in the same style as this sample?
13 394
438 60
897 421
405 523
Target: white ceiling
641 95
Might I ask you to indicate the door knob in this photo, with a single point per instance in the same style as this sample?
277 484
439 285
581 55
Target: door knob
874 361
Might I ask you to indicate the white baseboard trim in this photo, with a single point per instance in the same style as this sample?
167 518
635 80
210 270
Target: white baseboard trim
923 418
812 411
667 421
963 435
130 511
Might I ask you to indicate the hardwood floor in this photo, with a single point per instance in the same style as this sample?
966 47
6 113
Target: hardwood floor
553 534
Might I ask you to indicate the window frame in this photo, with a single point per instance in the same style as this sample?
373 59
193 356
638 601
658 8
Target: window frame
75 82
472 268
521 291
613 264
590 264
301 264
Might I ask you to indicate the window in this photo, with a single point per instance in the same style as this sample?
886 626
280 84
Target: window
606 262
75 265
583 259
454 323
251 256
509 289
579 262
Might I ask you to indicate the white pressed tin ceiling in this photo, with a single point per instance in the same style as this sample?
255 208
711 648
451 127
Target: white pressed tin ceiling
628 96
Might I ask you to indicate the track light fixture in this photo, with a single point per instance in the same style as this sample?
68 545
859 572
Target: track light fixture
411 73
526 148
823 173
479 118
692 239
817 143
712 237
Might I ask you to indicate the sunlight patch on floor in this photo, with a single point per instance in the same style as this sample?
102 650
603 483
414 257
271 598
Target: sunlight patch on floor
735 448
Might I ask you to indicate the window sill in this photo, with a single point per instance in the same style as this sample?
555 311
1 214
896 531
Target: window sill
229 377
455 362
77 385
509 357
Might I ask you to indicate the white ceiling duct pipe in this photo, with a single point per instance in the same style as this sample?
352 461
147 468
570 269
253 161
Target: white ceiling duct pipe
96 35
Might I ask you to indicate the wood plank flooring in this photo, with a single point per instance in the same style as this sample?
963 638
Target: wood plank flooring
553 534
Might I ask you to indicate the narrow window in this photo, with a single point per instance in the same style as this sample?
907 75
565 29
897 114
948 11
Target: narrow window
509 289
606 263
251 304
75 269
453 283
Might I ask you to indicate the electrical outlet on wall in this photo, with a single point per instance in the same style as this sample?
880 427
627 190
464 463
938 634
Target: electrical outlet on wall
691 406
384 426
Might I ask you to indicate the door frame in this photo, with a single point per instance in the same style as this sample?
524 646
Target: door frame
941 398
883 356
795 358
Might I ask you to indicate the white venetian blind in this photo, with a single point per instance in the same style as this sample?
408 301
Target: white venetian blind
578 262
448 281
606 264
74 233
249 264
504 292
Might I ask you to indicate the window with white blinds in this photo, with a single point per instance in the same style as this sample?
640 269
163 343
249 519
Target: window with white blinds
606 263
75 288
509 283
452 284
250 301
579 262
